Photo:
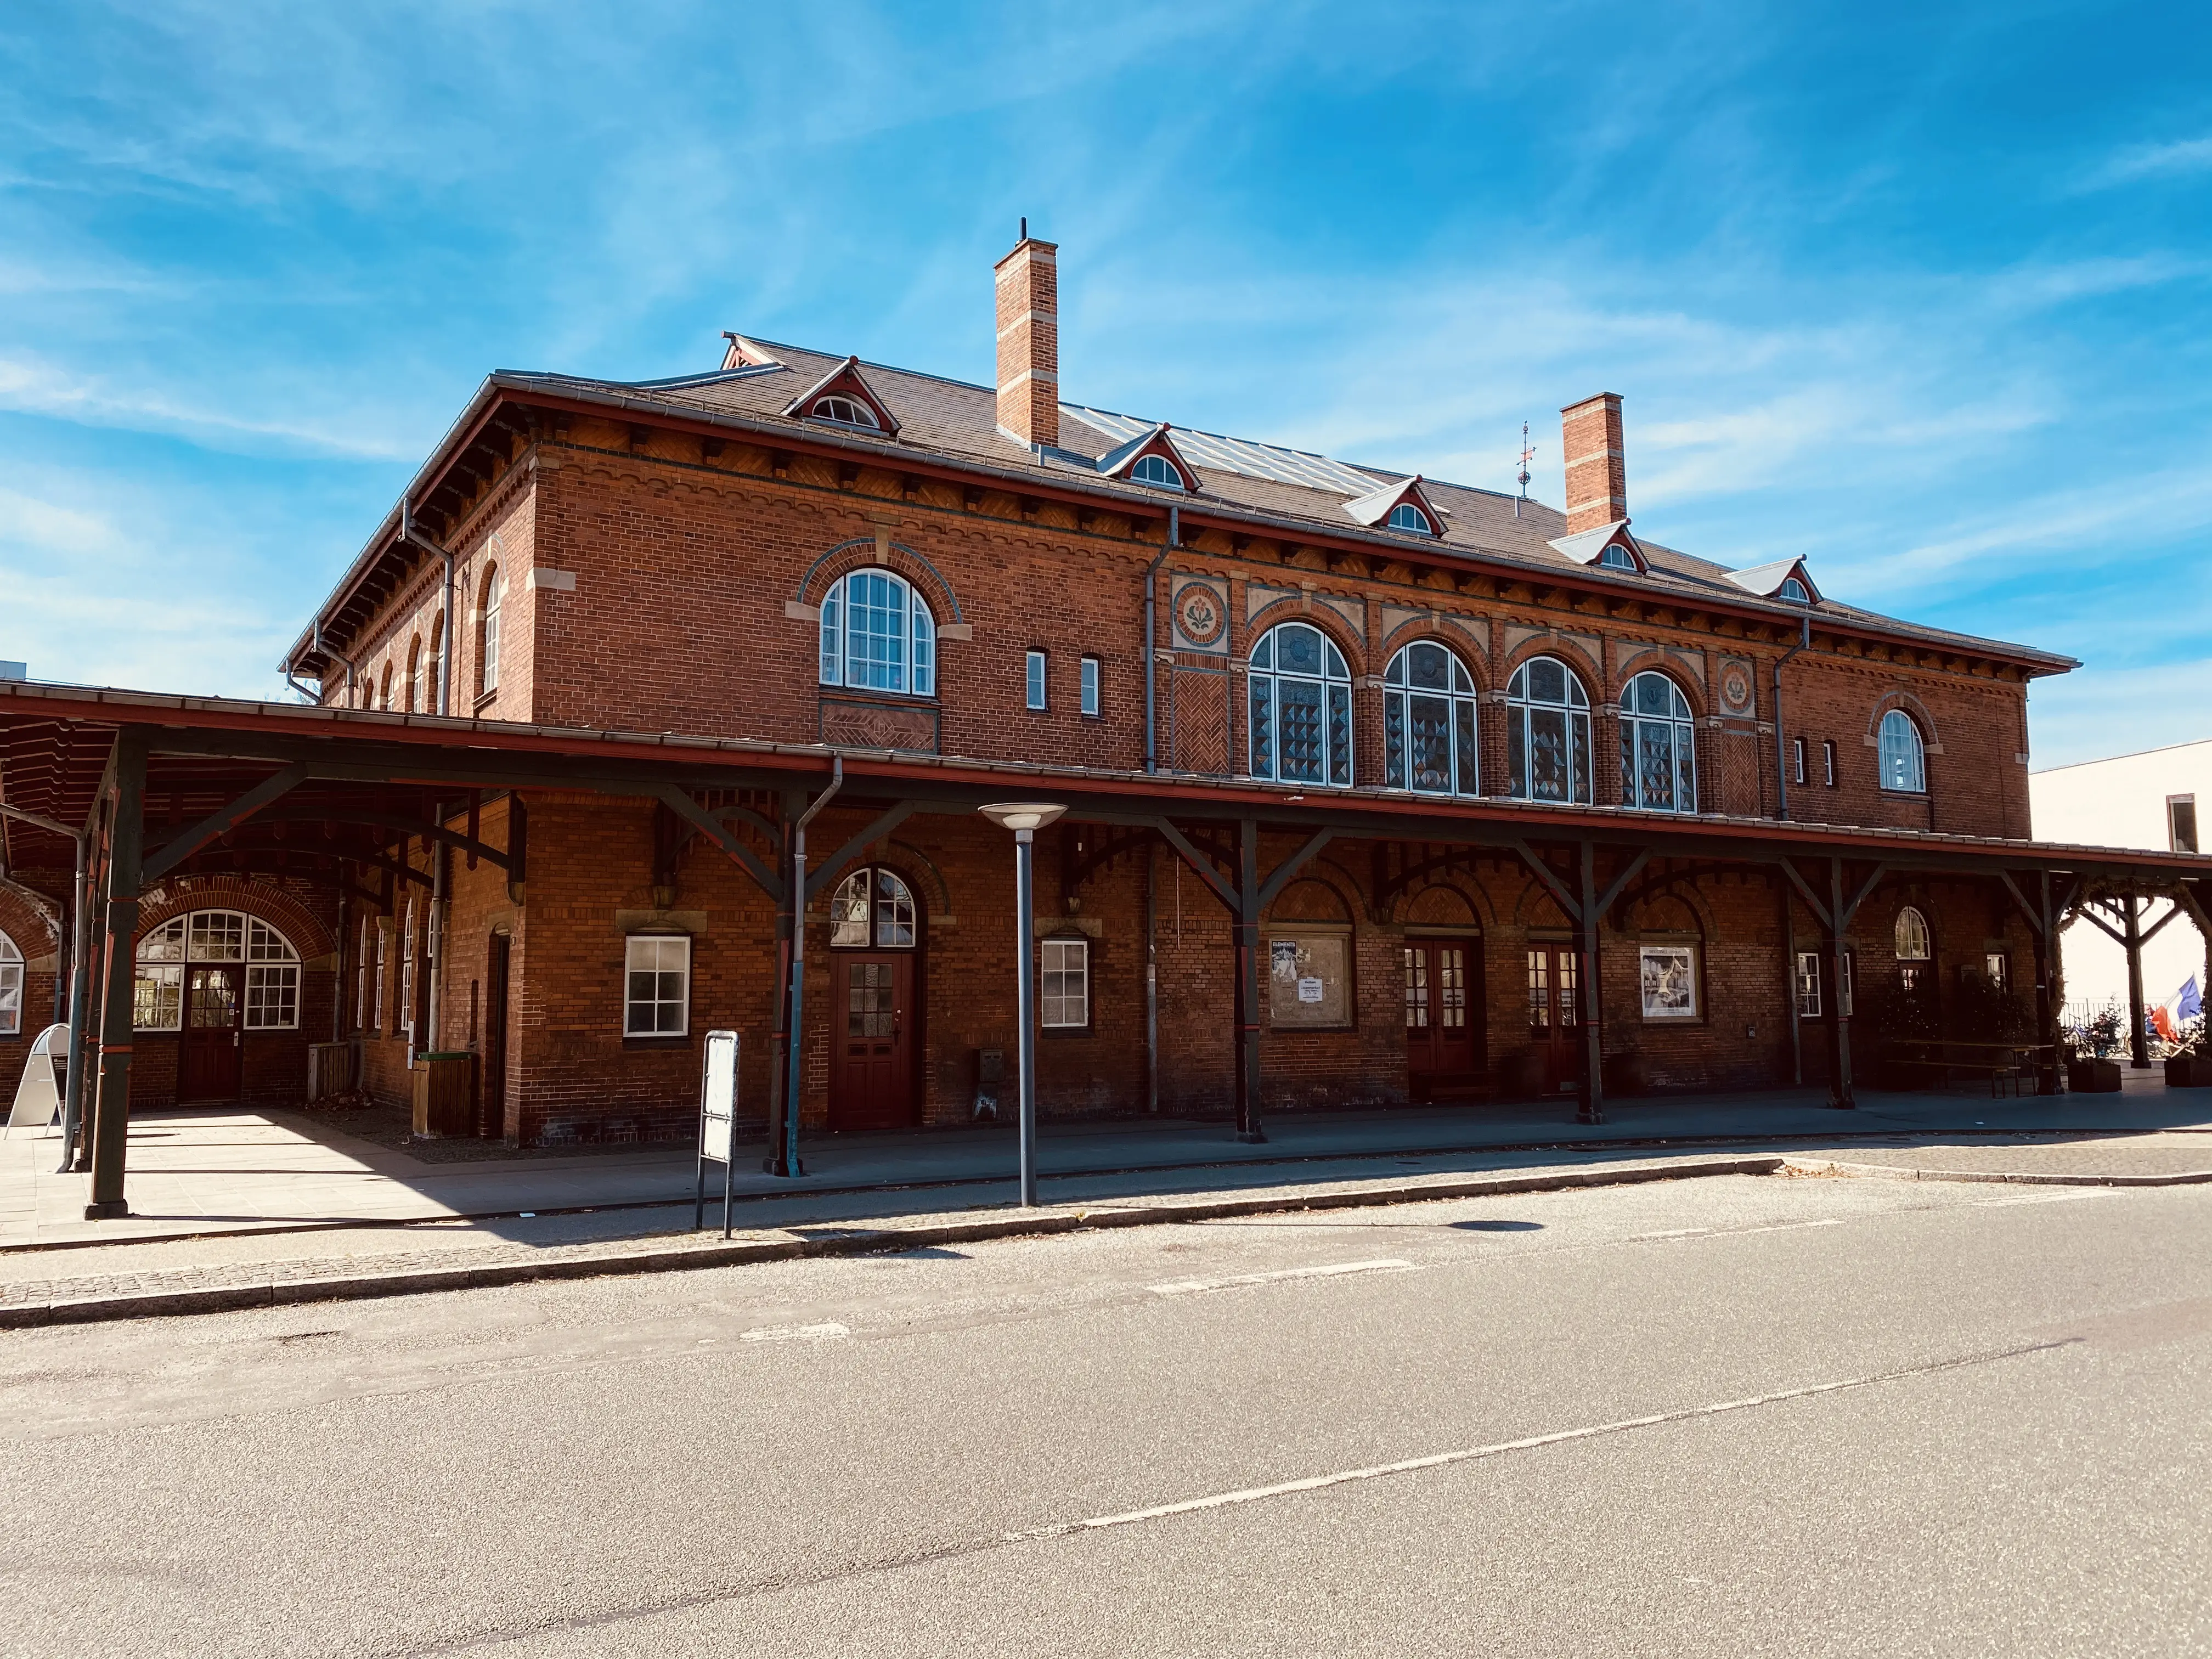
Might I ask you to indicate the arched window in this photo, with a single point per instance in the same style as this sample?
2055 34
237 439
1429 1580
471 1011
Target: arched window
1300 707
873 910
878 636
1158 470
1658 746
384 693
1912 935
1793 591
1407 516
415 675
1548 738
1904 757
1428 723
846 412
1617 557
488 632
433 673
11 988
214 951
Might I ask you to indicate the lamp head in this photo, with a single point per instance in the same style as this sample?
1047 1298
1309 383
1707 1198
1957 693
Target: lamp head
1019 815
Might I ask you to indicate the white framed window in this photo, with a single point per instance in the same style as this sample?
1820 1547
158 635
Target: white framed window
1904 754
1809 985
1912 935
878 636
1615 556
1667 976
1547 734
406 1021
383 963
1828 759
415 676
384 694
433 673
1429 723
11 988
846 412
360 979
872 909
1797 760
1407 516
1792 592
2181 823
1034 681
215 938
1091 686
1301 693
657 998
1996 969
495 585
1158 470
1064 983
1659 747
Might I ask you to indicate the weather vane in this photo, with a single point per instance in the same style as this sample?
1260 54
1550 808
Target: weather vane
1527 454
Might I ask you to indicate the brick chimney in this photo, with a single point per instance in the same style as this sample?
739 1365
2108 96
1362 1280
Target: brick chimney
1597 469
1029 341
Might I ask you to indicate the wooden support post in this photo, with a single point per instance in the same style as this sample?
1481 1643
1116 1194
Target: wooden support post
2047 1069
2132 939
1591 1102
1840 1095
1246 920
111 1117
787 906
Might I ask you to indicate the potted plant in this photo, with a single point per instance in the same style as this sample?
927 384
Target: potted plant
2097 1073
2190 1065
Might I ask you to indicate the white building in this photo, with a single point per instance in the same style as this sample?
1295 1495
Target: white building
2153 800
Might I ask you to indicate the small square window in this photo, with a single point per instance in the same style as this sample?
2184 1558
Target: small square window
1091 686
656 1001
1064 983
1036 679
1996 969
2181 823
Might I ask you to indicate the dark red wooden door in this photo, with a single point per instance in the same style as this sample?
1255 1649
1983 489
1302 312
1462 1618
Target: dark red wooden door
1443 1013
871 1040
214 1033
1555 1012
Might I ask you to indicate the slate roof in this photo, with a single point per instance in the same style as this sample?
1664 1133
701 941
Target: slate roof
955 421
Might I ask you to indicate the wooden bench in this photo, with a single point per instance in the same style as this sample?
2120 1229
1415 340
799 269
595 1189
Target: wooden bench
2001 1064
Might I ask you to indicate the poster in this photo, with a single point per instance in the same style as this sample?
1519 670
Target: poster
1310 981
1669 975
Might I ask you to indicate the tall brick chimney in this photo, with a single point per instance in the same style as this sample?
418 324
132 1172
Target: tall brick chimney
1029 341
1597 469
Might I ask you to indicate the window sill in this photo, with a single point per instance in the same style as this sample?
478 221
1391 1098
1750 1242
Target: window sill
919 699
484 701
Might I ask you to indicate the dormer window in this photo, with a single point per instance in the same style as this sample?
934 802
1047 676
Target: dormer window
1407 516
1158 470
846 412
1793 591
1617 557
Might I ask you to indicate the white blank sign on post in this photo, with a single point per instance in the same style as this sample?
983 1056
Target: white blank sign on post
718 1103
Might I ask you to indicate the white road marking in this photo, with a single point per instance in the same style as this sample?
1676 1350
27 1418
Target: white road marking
1440 1459
1192 1287
1671 1232
1733 1232
827 1332
2046 1198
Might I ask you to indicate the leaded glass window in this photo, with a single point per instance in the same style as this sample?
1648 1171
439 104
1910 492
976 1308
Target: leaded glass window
878 636
1658 746
1429 723
216 937
1300 707
872 909
1547 737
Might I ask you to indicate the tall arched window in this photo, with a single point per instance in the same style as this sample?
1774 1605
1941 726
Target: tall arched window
873 910
1658 746
1300 707
434 671
415 675
488 632
384 692
229 958
1428 723
1548 739
11 988
1912 935
1903 756
878 636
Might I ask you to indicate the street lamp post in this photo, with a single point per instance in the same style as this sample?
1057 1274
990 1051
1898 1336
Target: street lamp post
1025 819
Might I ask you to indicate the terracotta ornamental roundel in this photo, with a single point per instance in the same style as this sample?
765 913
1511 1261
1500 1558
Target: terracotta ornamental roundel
1735 689
1198 610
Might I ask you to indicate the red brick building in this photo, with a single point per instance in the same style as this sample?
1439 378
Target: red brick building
1382 788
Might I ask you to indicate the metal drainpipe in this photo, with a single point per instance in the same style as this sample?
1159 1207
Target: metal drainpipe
409 533
1151 603
1781 741
323 649
797 1044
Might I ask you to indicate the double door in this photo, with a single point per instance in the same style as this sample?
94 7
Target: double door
1444 1025
209 1067
872 1038
1555 1014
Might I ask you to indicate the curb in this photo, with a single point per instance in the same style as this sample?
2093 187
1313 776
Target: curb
833 1241
1902 1172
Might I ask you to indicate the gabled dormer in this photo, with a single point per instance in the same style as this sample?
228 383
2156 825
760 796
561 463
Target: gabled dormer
1152 459
1607 547
844 397
748 354
1403 506
1786 579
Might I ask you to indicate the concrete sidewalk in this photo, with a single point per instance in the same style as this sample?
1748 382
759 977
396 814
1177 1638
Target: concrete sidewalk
195 1175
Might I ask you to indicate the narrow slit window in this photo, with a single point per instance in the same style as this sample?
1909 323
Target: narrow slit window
1091 686
2181 823
1797 760
1828 759
1035 680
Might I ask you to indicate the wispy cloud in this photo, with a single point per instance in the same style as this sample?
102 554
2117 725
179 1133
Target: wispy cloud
2178 158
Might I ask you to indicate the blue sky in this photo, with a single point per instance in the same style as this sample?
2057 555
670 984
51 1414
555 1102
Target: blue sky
1919 292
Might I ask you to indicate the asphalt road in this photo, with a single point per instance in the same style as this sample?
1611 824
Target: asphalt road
1739 1416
